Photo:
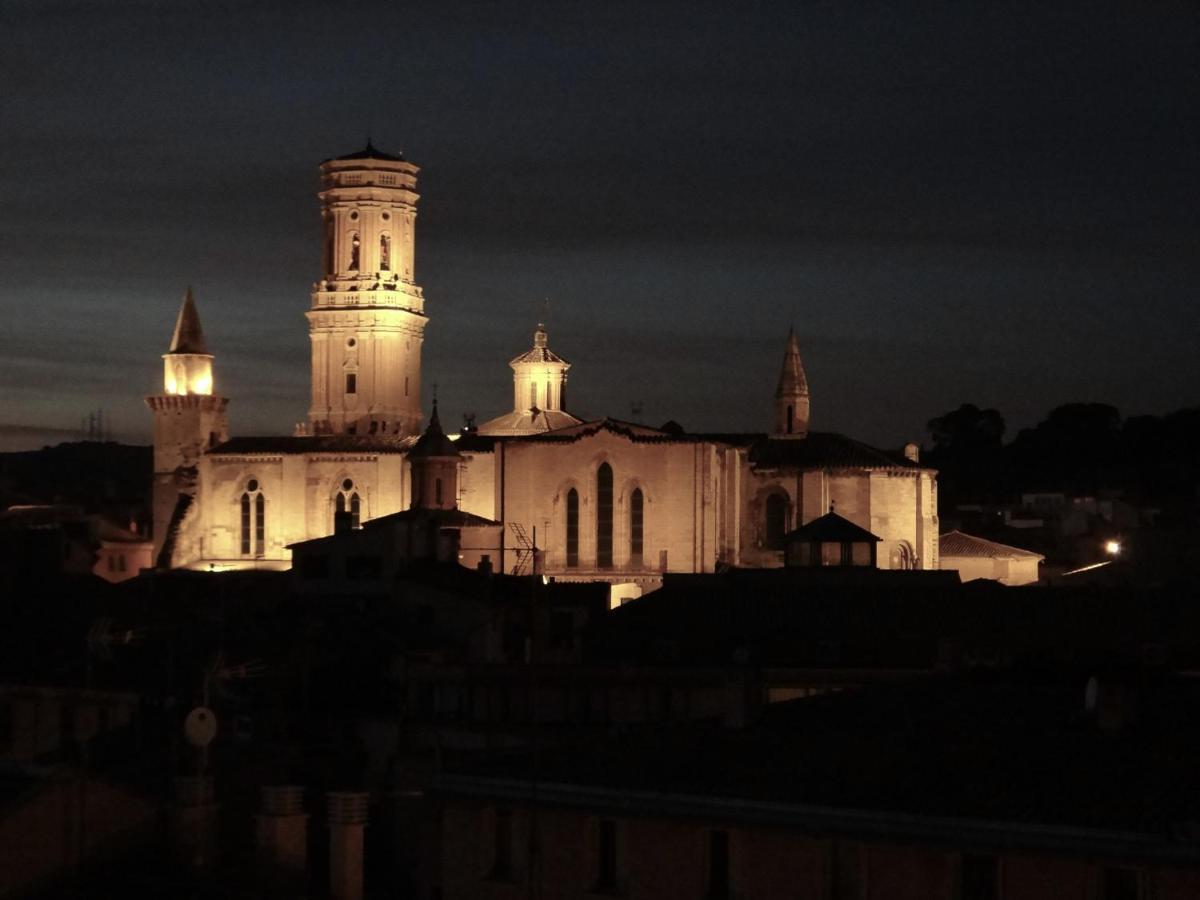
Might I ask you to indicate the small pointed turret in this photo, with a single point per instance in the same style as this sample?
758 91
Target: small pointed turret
791 394
189 336
434 462
189 419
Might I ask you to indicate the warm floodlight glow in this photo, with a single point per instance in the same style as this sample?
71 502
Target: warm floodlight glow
187 373
1112 548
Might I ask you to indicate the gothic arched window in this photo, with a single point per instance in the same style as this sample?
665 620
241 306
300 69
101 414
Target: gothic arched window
355 247
385 253
347 500
572 528
254 519
604 516
636 525
776 521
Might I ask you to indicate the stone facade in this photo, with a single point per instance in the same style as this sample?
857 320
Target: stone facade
607 500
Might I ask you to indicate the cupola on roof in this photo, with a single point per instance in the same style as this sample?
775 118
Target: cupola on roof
540 353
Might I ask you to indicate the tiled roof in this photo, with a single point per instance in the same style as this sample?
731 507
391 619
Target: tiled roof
956 543
630 430
442 518
318 443
527 421
369 152
825 450
452 518
475 442
833 528
540 353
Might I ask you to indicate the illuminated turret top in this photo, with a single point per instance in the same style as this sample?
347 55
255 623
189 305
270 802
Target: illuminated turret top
187 366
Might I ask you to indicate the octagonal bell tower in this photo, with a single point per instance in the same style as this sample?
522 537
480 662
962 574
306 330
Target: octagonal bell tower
367 319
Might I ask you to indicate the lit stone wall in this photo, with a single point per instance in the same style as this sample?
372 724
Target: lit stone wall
300 494
477 484
684 505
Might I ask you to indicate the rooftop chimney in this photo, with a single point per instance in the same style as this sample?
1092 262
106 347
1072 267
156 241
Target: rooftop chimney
347 820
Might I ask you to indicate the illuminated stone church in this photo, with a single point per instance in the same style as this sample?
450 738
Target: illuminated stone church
602 499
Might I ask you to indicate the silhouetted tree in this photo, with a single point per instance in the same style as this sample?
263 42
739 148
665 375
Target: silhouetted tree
967 429
967 451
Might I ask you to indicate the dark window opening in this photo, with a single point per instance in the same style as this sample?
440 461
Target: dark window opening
351 383
315 567
355 510
572 528
718 865
606 856
604 516
980 879
1119 884
791 414
636 512
776 524
260 524
502 845
363 568
562 629
245 525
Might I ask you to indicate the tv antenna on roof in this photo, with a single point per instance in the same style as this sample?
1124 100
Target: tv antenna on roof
526 549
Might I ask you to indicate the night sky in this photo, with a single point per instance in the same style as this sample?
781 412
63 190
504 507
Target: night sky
992 203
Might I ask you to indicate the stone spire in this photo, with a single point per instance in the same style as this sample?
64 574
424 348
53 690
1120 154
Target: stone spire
189 336
791 394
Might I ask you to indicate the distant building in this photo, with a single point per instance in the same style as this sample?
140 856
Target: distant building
63 539
603 499
975 557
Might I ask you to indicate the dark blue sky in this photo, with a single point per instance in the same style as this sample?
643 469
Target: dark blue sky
994 203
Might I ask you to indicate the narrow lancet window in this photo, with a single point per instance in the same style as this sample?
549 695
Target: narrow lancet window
260 524
253 529
355 247
385 253
245 525
776 521
572 528
604 516
636 512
